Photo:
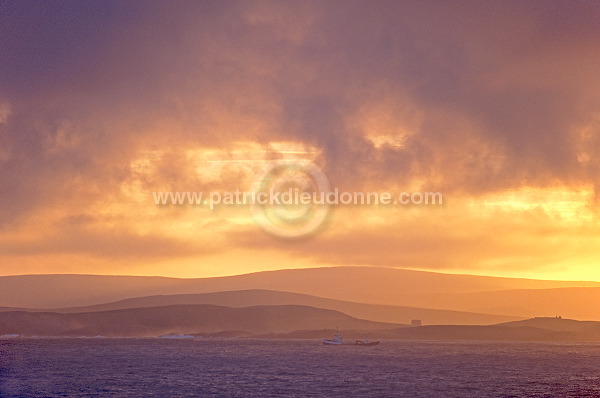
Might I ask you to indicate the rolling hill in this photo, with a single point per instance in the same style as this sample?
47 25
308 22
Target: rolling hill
557 324
246 298
373 285
175 319
573 302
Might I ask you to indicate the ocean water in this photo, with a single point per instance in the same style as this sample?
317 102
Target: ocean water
294 368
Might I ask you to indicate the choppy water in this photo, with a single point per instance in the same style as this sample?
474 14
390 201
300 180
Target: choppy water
294 368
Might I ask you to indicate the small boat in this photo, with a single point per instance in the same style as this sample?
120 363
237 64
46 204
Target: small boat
366 342
337 339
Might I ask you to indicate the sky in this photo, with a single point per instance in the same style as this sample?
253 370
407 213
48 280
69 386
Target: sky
493 104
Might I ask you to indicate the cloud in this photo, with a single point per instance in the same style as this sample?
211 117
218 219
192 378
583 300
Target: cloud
487 237
91 236
467 98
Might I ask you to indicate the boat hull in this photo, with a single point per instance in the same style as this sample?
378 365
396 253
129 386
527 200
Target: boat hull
331 342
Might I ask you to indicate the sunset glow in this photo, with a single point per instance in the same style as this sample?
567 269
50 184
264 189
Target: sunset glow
493 105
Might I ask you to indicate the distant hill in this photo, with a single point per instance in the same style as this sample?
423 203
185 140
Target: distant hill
570 302
278 321
374 285
557 324
246 298
176 319
536 329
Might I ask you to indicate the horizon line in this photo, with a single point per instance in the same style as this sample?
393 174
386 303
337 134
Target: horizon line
447 272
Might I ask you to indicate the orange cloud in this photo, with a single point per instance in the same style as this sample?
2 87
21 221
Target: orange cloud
495 105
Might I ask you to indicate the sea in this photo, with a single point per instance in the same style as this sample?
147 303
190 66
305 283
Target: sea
102 367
